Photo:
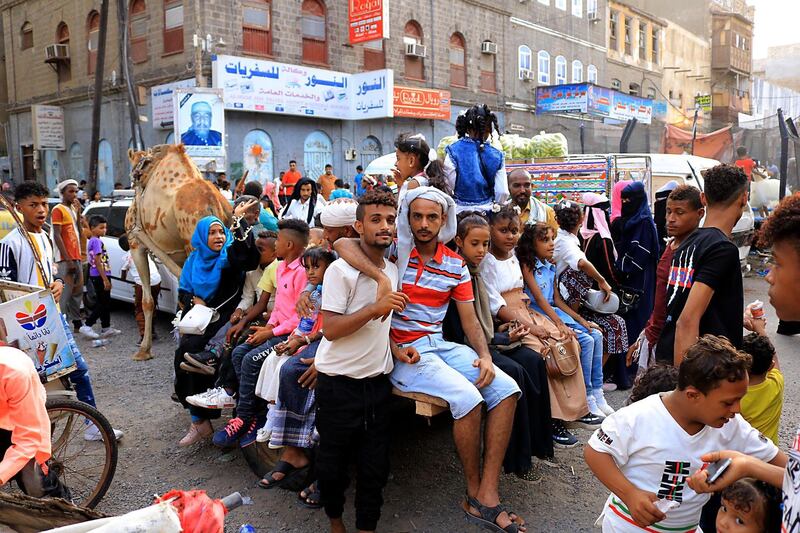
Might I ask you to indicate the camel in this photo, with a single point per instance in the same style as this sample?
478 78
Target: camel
170 198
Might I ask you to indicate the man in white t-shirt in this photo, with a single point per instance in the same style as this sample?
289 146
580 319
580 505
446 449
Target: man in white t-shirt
353 362
645 453
782 232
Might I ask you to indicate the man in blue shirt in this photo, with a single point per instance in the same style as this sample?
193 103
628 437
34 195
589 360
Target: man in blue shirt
201 134
360 189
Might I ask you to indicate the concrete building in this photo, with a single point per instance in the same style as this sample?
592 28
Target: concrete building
687 74
769 94
635 50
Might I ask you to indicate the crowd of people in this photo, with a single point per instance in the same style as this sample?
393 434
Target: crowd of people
461 284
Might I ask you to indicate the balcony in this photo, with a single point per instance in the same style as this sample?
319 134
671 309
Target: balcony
726 105
732 59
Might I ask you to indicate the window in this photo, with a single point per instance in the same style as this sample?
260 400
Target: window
415 66
315 39
138 31
591 74
561 4
591 9
577 72
544 67
173 26
561 70
651 93
488 79
525 59
634 89
458 61
93 35
642 41
63 67
577 8
628 36
26 36
256 27
656 51
374 55
616 84
612 30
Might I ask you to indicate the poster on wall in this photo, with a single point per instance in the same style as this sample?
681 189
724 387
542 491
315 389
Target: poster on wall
48 127
163 109
268 87
421 103
200 124
368 20
562 98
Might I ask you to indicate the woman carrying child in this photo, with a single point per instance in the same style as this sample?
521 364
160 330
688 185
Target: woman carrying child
532 429
212 276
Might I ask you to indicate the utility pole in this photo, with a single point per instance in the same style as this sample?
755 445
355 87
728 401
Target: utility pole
198 42
98 96
127 74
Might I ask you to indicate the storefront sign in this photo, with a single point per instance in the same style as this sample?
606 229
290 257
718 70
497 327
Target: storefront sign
161 100
626 107
704 101
200 123
269 87
421 103
562 98
368 20
48 127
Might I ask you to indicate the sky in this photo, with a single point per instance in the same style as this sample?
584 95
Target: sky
777 22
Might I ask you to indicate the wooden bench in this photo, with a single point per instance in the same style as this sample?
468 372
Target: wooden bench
426 405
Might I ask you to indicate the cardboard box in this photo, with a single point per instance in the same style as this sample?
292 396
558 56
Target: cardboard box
31 321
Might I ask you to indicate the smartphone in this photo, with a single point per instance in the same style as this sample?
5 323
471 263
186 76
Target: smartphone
715 470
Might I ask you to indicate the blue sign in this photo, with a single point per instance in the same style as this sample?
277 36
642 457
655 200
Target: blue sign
572 98
597 101
600 100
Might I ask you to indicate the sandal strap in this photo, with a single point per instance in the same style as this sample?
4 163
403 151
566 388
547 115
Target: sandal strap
491 513
282 467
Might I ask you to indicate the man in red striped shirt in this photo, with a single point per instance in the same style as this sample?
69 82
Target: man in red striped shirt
431 275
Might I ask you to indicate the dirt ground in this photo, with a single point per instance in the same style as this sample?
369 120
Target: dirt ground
423 493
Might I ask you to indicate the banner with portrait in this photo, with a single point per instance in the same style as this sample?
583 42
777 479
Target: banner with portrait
200 124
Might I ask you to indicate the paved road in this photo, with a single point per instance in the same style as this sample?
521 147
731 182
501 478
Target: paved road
423 493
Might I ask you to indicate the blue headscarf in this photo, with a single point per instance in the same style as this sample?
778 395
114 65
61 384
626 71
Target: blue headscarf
201 272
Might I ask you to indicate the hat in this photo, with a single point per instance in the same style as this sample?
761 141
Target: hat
594 301
339 214
66 183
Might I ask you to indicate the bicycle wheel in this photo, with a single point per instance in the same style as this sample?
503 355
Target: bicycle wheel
86 467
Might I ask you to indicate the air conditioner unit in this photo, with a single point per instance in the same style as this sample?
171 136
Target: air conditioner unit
56 52
416 50
525 74
489 48
593 17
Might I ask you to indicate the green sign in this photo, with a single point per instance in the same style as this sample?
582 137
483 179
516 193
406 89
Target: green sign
704 101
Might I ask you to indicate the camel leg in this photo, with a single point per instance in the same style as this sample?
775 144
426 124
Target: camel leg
139 254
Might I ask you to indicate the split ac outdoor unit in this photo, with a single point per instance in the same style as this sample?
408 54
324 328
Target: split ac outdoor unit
416 50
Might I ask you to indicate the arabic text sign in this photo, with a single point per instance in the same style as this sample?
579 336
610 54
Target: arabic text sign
704 101
368 20
421 103
269 87
48 127
161 100
562 98
626 107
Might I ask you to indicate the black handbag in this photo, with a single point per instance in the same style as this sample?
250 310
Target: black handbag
628 299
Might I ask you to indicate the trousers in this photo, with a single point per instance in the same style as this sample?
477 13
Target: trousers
353 417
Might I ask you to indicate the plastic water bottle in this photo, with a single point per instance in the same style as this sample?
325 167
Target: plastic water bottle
99 342
307 323
247 528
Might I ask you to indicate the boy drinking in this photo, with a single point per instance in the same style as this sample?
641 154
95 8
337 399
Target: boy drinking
99 272
645 452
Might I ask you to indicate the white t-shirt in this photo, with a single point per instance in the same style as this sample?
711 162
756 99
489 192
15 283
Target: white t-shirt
499 277
299 210
567 252
657 455
133 273
791 489
365 353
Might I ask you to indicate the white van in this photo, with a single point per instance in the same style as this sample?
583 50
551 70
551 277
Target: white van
114 209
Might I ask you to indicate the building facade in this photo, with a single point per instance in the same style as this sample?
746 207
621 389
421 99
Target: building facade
51 53
687 75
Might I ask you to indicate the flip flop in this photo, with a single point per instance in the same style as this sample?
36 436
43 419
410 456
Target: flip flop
281 467
312 497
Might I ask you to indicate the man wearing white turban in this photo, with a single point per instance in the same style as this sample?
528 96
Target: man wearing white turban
337 220
431 275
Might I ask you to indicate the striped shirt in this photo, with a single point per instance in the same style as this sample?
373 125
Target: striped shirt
430 287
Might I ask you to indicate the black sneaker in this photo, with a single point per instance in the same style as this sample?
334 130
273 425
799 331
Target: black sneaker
563 438
588 421
206 361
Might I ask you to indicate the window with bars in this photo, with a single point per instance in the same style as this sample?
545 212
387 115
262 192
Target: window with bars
138 31
173 26
256 27
458 61
315 38
26 36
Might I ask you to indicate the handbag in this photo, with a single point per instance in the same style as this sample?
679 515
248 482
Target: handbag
561 357
199 317
628 299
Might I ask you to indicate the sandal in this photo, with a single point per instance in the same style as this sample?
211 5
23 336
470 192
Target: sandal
312 497
488 517
281 467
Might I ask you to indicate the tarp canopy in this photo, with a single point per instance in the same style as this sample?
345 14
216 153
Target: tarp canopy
716 145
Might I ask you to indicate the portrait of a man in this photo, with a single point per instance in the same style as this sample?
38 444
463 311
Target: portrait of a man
200 132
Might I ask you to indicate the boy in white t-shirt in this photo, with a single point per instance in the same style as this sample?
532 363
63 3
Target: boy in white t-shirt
129 271
646 452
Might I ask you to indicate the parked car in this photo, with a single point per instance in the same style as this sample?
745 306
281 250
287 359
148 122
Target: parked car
114 209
